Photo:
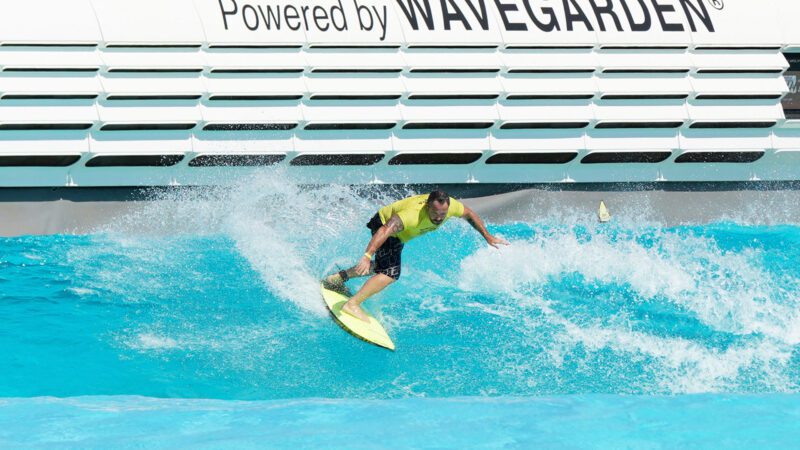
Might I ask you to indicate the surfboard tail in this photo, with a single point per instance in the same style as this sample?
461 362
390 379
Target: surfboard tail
371 332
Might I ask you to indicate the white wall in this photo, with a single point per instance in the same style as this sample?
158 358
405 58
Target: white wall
206 77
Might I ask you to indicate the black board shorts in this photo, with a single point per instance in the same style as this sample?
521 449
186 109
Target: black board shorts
387 257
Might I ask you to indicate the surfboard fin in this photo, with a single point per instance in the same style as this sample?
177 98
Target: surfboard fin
602 213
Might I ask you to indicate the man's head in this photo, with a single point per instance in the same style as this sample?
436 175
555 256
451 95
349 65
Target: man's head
438 204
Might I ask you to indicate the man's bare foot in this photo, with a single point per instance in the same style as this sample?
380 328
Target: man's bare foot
355 311
333 282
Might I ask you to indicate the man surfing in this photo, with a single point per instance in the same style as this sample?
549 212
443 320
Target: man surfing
392 227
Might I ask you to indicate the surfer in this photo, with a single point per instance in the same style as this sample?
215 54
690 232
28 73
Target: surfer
392 227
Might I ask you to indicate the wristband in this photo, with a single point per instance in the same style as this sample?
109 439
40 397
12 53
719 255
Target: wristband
368 256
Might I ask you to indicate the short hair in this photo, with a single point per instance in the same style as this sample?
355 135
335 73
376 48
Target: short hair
438 196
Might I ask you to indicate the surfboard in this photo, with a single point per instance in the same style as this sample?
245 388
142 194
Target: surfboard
371 332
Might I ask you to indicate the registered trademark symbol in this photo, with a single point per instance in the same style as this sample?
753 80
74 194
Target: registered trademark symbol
717 4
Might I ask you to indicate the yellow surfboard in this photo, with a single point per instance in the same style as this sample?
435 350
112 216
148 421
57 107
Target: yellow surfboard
371 332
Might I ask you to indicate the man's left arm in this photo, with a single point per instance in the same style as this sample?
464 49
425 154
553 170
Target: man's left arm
476 222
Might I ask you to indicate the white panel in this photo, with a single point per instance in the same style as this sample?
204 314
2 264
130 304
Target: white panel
232 143
335 142
322 112
761 21
16 57
453 84
725 139
227 143
340 84
788 12
340 142
149 21
786 139
656 140
281 111
644 60
27 145
612 173
415 112
782 163
331 174
39 176
624 141
549 59
121 113
123 176
436 141
546 111
12 113
74 84
561 84
104 144
48 21
738 84
524 141
355 59
644 84
779 165
34 176
519 173
212 175
738 60
556 140
739 111
255 85
247 113
424 174
428 59
707 172
641 111
123 58
152 84
424 140
233 59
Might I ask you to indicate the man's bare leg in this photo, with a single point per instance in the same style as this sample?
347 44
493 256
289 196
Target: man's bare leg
374 285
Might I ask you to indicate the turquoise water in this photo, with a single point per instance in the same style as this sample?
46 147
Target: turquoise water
597 421
197 321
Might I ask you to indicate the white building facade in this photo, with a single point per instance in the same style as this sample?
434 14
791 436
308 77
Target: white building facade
192 92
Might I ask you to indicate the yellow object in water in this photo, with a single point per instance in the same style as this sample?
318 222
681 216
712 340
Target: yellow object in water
371 331
603 213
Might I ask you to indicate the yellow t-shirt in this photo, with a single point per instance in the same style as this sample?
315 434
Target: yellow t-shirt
413 212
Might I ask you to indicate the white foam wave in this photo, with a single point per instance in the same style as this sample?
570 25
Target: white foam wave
225 347
151 341
82 291
726 291
289 233
685 366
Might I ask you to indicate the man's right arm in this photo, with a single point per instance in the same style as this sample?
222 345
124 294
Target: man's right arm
393 226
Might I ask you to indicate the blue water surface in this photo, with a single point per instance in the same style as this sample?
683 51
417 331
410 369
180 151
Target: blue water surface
596 421
606 333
